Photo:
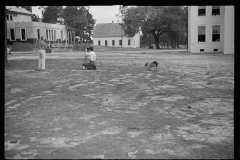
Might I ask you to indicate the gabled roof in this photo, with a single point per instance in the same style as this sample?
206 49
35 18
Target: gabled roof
18 10
108 30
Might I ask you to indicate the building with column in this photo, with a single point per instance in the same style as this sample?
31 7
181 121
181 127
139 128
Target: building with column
211 29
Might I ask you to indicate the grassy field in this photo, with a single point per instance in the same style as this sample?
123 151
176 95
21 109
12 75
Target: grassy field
121 110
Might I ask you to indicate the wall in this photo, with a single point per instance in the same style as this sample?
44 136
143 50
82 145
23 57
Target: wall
229 30
22 18
32 27
134 41
194 21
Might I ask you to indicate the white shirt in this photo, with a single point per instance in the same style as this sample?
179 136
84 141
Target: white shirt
91 55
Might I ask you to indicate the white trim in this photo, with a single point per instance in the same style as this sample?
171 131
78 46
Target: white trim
10 37
25 34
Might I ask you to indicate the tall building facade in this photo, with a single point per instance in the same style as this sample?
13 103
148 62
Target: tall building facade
211 29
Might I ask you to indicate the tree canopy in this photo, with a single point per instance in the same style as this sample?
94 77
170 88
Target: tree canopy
52 14
152 20
78 19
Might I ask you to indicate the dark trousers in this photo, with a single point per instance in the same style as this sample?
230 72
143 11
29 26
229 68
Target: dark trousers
89 65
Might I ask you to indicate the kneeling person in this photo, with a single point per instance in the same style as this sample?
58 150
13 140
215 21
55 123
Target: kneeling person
92 57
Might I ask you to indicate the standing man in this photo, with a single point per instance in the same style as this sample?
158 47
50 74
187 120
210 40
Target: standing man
41 50
92 58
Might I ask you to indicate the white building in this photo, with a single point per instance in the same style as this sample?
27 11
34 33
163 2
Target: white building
21 28
211 29
111 34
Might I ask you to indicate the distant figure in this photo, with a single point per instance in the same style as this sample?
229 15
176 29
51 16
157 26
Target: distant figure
92 57
41 50
66 44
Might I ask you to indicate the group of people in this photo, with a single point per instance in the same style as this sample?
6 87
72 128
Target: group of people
41 47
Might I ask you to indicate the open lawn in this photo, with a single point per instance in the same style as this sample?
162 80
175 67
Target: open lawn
121 110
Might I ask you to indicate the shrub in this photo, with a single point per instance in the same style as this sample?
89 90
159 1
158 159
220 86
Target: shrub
18 46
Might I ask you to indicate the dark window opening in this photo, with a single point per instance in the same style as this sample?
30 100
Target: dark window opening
201 11
216 37
113 42
215 49
23 34
120 42
216 10
99 43
201 50
47 34
201 38
105 42
38 33
12 35
129 42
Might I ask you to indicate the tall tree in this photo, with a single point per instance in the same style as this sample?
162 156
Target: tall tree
79 20
51 14
35 18
154 20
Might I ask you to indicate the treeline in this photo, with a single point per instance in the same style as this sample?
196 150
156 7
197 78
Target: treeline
161 25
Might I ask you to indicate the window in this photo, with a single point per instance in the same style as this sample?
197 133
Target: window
129 42
120 42
23 34
12 34
47 34
201 33
113 43
61 35
9 17
216 33
201 10
54 35
38 33
99 43
105 42
215 10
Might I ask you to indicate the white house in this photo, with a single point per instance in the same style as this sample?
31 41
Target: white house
21 28
111 34
211 29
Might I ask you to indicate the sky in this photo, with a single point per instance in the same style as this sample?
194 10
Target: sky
102 14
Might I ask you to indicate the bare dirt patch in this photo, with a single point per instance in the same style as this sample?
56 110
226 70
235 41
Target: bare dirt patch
184 110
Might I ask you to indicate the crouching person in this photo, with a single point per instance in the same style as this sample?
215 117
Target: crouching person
91 56
41 50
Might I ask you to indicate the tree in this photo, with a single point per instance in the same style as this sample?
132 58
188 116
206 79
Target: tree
144 18
35 18
51 14
79 20
154 20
